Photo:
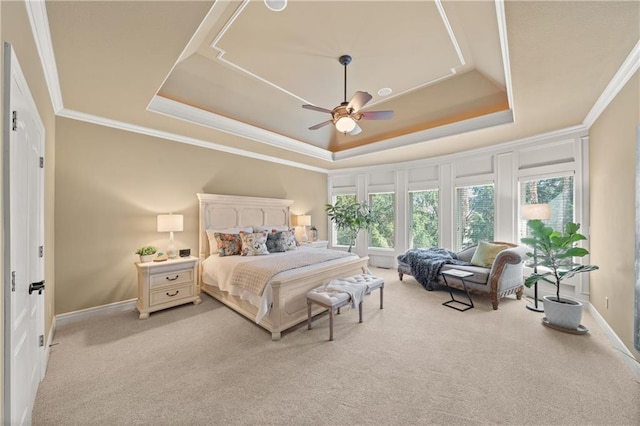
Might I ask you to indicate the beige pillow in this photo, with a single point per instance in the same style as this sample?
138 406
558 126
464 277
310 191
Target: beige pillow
486 253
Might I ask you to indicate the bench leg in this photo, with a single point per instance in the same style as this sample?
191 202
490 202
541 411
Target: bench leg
331 324
381 295
308 315
360 311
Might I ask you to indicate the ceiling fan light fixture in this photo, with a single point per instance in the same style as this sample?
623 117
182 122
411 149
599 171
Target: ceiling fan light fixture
345 124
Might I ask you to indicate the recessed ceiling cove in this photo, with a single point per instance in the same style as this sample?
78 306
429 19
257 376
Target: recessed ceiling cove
249 69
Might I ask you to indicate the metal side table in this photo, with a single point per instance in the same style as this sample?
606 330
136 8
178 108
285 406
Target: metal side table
462 275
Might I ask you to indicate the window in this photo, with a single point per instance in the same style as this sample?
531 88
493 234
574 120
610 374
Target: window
423 219
555 191
342 237
474 213
383 231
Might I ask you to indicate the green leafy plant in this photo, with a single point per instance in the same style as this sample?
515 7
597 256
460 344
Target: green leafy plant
352 217
146 250
555 251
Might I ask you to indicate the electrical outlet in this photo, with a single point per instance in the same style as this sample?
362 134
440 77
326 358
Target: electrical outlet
606 302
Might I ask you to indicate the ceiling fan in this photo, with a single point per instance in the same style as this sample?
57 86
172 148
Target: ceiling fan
346 115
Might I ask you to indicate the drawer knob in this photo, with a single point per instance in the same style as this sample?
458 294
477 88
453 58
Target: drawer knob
172 279
171 295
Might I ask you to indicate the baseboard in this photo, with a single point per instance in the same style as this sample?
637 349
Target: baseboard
616 342
84 314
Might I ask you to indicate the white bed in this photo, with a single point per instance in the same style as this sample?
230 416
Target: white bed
283 303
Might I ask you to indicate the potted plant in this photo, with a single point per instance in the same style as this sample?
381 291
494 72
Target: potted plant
555 251
351 216
146 253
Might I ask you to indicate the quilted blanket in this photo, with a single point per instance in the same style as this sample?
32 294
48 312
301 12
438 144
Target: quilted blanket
425 264
255 275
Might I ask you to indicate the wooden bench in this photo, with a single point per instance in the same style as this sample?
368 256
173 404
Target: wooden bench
334 300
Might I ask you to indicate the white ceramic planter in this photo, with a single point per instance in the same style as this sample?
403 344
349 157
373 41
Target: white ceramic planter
566 314
146 258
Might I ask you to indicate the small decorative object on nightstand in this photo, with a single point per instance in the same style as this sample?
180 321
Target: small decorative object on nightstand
166 284
146 253
314 233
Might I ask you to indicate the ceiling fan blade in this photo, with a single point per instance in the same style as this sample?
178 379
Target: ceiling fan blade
317 126
315 108
376 115
359 100
356 130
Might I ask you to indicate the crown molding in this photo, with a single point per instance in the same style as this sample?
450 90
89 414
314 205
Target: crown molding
185 112
504 47
625 72
121 125
578 131
39 20
476 123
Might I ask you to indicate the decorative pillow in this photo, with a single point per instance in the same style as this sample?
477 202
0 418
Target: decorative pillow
290 242
228 244
213 244
254 244
486 253
276 242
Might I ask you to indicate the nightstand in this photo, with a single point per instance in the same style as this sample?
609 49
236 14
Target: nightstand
166 284
315 244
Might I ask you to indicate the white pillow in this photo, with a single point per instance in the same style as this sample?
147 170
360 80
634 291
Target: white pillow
213 244
270 228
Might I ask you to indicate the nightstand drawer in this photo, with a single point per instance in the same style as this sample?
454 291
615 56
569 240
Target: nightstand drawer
170 278
171 294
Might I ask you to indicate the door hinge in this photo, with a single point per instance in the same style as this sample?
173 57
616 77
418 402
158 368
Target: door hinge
13 280
42 162
41 251
14 120
41 340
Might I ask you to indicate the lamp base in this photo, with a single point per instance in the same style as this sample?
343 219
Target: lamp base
172 251
536 307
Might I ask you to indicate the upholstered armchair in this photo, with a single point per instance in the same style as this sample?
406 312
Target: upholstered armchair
504 277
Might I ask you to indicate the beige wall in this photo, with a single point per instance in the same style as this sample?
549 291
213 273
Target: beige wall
612 146
15 29
111 184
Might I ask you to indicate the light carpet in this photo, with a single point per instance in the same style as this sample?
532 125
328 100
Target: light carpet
414 362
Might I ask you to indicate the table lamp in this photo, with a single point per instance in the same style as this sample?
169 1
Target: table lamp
531 212
304 220
170 223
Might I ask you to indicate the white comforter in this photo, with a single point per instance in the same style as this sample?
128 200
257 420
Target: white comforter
217 271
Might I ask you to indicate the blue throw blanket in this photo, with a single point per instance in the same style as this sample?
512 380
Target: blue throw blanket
425 264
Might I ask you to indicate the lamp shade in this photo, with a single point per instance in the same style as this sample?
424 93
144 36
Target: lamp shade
303 220
535 211
170 222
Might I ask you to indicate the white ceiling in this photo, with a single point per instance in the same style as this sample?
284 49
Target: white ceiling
235 74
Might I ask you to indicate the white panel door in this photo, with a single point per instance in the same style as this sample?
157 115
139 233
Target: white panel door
23 261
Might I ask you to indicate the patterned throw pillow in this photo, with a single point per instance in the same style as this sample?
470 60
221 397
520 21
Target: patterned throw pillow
290 242
254 244
228 244
276 242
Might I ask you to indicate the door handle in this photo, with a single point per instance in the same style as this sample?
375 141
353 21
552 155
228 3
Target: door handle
39 286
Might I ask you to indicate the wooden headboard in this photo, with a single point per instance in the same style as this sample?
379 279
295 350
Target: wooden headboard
228 211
